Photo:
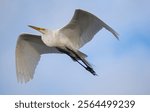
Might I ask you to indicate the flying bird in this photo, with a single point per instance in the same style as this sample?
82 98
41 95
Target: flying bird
67 40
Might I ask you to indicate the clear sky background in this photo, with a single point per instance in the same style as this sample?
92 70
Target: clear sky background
123 66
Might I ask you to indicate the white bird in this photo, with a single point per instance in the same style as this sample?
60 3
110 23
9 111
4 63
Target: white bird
68 40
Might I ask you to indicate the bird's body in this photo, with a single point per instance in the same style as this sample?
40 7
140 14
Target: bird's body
56 39
67 40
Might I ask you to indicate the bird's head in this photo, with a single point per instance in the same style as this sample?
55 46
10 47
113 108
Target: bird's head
41 30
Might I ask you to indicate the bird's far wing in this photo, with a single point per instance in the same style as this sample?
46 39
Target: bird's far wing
28 50
83 26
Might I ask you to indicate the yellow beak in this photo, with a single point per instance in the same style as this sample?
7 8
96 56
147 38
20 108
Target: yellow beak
42 30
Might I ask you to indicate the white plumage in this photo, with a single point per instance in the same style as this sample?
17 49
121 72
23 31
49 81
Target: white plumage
80 30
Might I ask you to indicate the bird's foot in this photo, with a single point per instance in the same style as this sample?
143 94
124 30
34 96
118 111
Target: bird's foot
91 70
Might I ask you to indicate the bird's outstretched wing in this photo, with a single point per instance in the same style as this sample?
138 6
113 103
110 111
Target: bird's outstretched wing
28 50
83 26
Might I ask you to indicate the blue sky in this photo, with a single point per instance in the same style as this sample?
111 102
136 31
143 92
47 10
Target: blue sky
123 66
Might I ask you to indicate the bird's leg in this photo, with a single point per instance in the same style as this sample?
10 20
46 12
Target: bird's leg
87 67
90 70
76 58
81 64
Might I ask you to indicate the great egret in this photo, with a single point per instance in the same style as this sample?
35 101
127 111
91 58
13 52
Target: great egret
68 40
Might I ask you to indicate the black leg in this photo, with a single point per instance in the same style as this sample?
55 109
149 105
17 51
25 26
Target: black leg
87 67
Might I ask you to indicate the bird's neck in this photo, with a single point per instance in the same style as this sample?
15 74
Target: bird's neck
49 38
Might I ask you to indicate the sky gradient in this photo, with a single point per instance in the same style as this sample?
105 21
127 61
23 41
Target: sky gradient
123 66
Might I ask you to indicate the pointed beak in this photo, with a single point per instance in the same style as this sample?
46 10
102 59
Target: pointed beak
42 30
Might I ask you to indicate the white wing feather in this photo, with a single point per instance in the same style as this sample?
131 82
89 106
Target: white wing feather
82 28
28 50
